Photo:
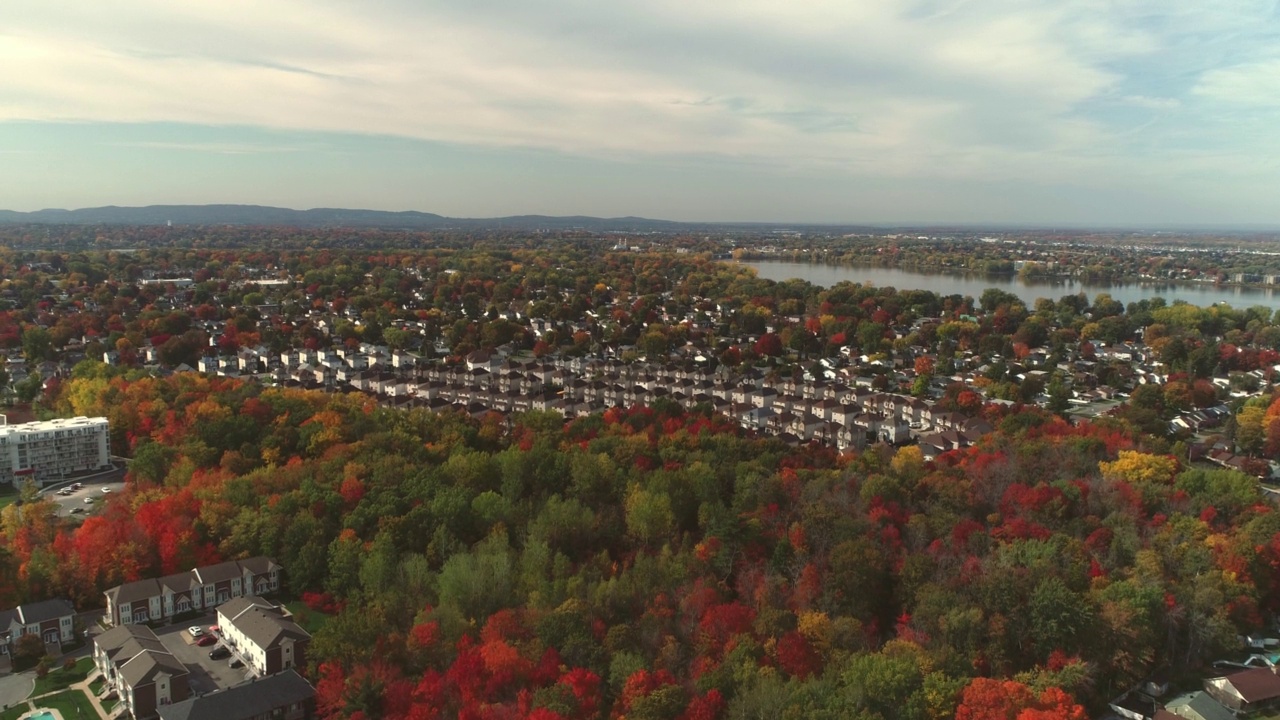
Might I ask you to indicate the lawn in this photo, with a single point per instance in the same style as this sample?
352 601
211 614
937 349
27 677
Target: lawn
16 711
308 619
7 496
95 687
73 704
59 678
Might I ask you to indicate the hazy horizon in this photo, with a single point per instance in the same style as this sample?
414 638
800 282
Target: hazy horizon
1024 114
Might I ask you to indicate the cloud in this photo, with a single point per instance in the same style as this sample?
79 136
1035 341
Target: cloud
1250 84
1032 90
209 147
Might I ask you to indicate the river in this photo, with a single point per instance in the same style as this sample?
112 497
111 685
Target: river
1028 290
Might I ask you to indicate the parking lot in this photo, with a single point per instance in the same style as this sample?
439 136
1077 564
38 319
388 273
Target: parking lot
75 501
206 675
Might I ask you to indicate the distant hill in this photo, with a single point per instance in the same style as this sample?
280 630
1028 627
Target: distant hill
317 217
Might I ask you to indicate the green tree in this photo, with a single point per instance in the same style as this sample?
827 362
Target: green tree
37 344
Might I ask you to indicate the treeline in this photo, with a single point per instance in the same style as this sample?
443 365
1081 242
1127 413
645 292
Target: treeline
651 563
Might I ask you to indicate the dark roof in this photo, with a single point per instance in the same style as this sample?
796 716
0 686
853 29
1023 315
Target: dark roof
180 583
138 654
143 668
135 591
240 702
37 612
1256 685
218 573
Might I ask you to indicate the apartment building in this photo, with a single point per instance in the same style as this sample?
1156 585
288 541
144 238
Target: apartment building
141 669
51 450
263 634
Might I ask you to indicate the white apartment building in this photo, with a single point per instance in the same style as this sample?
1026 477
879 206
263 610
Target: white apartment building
48 451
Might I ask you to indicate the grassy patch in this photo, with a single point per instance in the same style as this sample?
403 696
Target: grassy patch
59 678
73 704
16 711
8 494
308 619
95 687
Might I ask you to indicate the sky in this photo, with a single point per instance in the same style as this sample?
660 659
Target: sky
1154 113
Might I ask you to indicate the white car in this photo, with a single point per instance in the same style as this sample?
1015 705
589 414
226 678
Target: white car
88 501
196 631
106 490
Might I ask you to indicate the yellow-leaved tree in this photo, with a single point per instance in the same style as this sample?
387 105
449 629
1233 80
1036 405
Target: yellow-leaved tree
1139 467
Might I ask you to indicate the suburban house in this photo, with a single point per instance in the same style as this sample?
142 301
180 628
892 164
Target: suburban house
53 620
138 667
1245 691
264 634
204 588
285 696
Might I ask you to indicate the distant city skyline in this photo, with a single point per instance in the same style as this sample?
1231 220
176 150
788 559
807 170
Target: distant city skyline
1147 113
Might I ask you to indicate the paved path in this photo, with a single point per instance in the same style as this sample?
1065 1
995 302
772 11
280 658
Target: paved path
82 686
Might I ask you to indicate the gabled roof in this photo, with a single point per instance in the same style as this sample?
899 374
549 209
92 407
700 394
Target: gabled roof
124 642
1255 685
134 591
261 622
37 612
143 668
1198 706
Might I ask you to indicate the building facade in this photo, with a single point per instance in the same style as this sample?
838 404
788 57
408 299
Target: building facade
203 588
51 450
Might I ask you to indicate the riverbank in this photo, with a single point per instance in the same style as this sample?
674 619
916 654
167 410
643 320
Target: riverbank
971 284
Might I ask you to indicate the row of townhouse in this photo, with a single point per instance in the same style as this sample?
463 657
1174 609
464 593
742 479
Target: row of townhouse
203 588
828 411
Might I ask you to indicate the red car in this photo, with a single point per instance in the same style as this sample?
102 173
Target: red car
204 640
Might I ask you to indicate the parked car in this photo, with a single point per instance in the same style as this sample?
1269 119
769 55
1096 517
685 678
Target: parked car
236 663
206 640
76 511
76 486
88 501
219 652
106 490
196 631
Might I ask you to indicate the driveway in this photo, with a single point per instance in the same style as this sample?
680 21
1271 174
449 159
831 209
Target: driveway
15 688
206 675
